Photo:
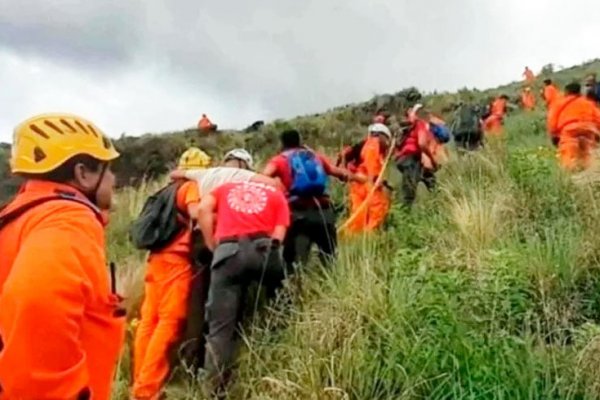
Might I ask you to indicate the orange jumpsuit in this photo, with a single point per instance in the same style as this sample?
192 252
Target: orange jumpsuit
493 123
60 324
575 120
551 94
528 100
529 76
371 165
205 124
167 283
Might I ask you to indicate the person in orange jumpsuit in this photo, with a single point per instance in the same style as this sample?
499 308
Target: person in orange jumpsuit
493 123
372 158
61 324
574 125
167 283
528 99
529 76
206 125
550 93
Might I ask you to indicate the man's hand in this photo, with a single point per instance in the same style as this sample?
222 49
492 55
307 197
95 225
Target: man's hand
357 178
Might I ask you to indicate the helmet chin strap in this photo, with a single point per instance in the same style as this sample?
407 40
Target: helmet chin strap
93 197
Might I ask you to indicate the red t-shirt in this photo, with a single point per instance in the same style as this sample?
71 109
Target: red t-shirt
284 172
410 146
246 208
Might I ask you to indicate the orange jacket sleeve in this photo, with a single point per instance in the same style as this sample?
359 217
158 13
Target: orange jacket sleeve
44 300
553 115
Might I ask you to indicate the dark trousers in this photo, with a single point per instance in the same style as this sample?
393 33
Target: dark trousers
235 266
468 140
310 226
412 174
190 350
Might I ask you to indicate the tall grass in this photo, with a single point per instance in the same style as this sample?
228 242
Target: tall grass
487 289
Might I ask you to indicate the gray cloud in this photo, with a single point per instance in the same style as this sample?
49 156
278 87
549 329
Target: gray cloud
242 60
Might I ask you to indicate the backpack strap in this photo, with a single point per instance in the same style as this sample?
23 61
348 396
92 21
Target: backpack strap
60 195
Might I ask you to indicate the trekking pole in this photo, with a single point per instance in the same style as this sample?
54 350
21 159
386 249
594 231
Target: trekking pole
113 278
365 203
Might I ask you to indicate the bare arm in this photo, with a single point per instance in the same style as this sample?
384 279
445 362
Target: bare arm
342 174
270 170
177 174
425 148
279 233
206 220
193 211
258 178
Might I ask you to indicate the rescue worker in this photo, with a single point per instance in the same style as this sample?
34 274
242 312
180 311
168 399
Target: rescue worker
467 127
61 324
551 92
529 76
313 217
206 125
436 148
167 285
592 88
380 117
370 166
528 99
574 125
237 166
411 152
245 224
493 123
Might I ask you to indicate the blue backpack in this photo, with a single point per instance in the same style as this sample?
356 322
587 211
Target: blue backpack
309 178
441 132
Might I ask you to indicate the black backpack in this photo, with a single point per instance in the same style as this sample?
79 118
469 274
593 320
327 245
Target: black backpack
466 120
159 222
350 154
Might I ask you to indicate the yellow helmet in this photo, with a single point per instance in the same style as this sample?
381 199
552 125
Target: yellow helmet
44 142
194 158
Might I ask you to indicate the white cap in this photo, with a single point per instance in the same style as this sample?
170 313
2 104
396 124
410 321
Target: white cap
242 155
380 128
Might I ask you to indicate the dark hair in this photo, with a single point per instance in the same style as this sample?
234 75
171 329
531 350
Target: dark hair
66 172
290 139
505 97
573 88
547 81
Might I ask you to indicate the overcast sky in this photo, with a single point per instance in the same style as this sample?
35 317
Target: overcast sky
141 66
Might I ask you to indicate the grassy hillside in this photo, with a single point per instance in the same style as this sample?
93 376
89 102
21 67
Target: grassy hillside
489 289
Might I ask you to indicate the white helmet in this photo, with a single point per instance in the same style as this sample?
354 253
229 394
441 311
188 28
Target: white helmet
380 128
240 154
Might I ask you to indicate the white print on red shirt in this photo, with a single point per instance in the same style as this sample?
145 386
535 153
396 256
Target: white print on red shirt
248 198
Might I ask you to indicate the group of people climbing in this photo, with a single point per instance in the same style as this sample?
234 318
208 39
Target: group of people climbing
573 118
211 233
